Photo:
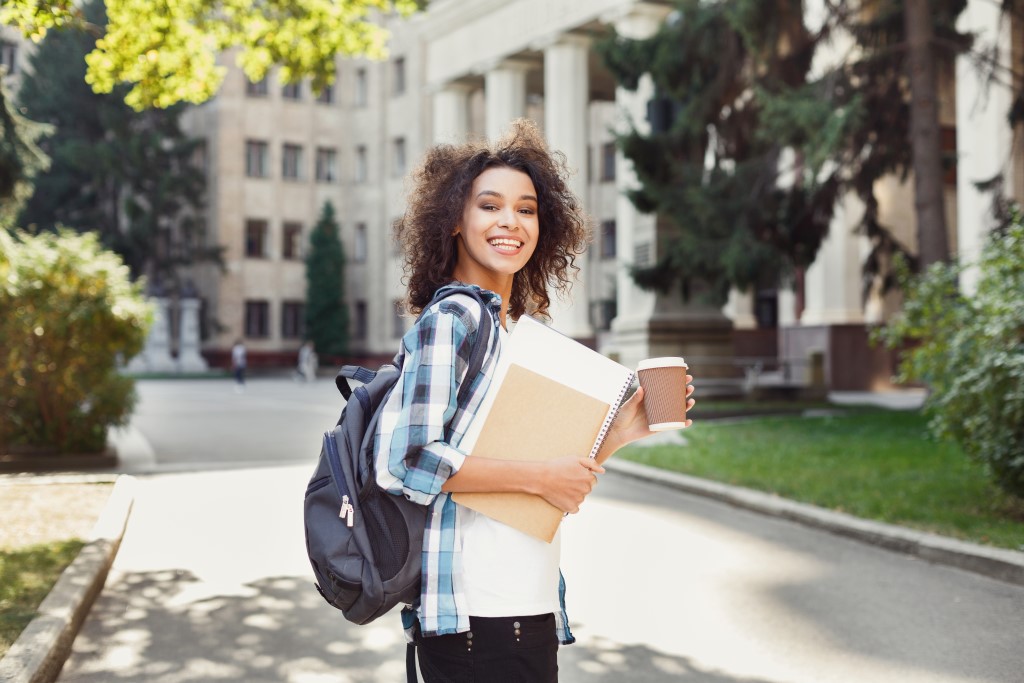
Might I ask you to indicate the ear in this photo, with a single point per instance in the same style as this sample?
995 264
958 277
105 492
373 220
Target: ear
457 230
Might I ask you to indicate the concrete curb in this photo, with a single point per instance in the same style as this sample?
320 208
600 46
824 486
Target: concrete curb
39 653
996 563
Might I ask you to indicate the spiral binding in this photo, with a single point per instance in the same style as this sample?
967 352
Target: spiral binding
610 418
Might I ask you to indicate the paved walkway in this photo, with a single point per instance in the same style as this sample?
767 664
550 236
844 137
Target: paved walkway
212 584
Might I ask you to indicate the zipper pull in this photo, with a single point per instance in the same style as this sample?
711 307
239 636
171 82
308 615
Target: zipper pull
347 512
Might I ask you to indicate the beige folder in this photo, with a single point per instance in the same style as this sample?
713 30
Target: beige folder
537 414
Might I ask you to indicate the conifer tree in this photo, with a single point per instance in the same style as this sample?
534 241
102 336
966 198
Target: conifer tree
326 315
123 174
736 94
21 159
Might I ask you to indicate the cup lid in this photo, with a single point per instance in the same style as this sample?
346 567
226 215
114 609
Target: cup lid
663 362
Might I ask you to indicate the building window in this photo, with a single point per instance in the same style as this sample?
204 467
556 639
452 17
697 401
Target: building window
359 323
608 239
255 158
292 320
291 247
257 319
291 162
360 96
359 248
398 156
292 91
326 164
257 88
362 169
256 238
326 95
9 56
399 75
608 161
642 254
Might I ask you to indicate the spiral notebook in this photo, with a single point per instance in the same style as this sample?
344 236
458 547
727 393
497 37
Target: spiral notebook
551 396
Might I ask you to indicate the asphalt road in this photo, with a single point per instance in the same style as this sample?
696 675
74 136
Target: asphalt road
212 582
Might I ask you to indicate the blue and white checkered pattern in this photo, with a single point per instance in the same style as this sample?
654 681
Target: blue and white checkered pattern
417 442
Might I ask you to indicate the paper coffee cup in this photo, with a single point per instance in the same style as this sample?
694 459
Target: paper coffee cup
664 383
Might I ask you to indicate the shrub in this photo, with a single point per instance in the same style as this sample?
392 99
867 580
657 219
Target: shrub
969 350
68 314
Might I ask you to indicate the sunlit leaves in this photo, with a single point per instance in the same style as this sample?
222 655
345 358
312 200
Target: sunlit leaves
169 49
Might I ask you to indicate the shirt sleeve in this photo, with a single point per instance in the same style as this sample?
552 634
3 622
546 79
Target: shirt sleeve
412 456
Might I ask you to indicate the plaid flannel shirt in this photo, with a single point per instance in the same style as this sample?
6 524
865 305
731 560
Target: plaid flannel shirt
417 442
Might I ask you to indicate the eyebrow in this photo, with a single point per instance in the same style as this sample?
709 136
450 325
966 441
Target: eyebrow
492 193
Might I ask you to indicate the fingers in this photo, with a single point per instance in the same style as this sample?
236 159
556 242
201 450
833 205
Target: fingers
591 464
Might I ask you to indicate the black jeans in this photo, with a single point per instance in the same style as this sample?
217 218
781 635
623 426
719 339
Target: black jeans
495 650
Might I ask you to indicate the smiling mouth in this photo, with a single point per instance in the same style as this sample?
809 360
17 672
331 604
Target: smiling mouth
505 244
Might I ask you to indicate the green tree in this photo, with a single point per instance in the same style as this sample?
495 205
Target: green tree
70 315
326 311
21 159
970 352
124 174
168 49
736 93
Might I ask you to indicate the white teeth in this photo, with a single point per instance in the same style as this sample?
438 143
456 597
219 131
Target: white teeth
500 242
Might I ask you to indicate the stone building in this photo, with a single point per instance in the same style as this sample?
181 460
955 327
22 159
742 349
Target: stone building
274 154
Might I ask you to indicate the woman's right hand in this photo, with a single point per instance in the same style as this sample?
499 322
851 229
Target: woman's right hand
566 481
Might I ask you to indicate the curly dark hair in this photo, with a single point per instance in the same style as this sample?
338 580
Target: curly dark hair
441 186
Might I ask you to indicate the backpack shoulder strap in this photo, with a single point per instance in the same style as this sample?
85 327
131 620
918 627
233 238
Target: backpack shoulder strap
483 336
350 373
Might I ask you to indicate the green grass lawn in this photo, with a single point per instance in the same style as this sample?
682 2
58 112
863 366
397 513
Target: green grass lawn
872 463
26 576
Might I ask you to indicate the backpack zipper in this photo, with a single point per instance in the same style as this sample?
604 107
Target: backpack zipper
347 511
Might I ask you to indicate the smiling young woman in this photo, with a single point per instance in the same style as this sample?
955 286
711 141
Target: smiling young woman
501 219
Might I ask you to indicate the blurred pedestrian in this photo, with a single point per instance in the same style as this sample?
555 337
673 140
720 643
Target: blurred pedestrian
238 363
307 363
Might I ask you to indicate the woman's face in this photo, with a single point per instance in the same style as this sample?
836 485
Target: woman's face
499 229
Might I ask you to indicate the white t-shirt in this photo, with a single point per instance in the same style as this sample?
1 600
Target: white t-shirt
506 573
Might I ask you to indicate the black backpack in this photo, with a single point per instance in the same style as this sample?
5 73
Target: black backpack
364 543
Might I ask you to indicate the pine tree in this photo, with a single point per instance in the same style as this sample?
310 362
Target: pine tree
124 174
21 159
326 313
734 87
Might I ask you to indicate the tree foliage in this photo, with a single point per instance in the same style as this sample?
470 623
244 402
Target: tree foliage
21 159
124 174
326 314
168 49
756 135
969 350
70 314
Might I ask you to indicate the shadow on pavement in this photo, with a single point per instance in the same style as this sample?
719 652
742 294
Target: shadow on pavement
603 661
151 624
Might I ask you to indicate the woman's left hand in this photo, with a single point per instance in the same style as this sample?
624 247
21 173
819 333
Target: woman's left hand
631 422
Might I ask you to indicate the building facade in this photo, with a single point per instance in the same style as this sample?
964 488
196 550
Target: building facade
274 154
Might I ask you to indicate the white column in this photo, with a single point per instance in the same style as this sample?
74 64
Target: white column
740 309
504 96
833 283
636 233
451 113
189 359
566 96
156 354
984 138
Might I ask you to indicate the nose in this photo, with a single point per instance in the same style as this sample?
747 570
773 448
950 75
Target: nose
509 219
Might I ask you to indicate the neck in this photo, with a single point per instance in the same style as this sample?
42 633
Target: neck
501 286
